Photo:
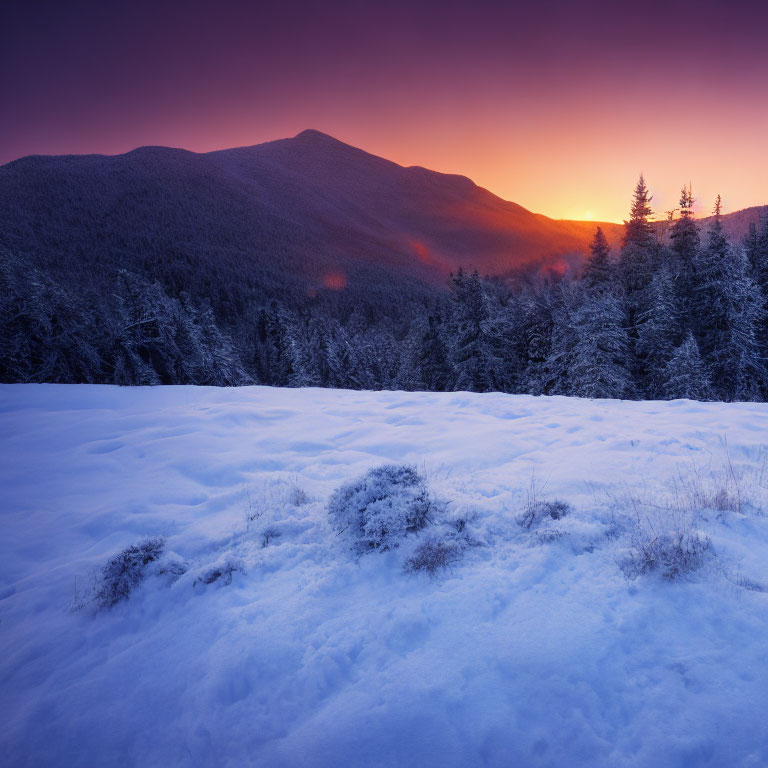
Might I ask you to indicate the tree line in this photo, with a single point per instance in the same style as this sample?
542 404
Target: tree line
679 315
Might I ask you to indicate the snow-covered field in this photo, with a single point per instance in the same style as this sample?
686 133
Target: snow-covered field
534 649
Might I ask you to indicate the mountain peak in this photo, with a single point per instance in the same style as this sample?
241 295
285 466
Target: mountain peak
310 134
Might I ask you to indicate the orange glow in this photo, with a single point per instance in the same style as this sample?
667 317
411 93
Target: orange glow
557 106
336 281
421 251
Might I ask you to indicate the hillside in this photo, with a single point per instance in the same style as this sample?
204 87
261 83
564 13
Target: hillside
310 212
308 208
259 638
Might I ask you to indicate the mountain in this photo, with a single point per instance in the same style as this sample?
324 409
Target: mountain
303 214
310 207
736 224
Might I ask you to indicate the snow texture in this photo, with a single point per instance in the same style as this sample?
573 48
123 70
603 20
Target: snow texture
258 638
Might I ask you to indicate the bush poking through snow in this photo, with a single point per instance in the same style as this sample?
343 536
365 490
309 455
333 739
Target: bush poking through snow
433 555
381 507
297 496
269 534
124 572
672 554
537 512
173 568
222 571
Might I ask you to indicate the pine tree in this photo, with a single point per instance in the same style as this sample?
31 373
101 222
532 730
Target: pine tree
340 358
728 315
303 346
638 231
556 373
535 328
409 374
435 369
756 248
685 233
598 272
636 262
658 332
46 333
685 246
471 351
600 366
685 374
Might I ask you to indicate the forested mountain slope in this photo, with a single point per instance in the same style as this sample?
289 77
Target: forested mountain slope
309 209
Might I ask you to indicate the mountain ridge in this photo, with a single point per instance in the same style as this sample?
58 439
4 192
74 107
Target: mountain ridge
309 206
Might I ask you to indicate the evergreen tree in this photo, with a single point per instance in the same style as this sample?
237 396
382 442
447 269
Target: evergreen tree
638 231
46 334
685 233
409 374
756 248
435 369
471 351
728 316
600 366
685 375
303 344
534 326
340 357
685 246
556 373
598 272
636 262
658 332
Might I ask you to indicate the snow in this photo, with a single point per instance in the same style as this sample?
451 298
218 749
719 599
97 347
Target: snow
533 650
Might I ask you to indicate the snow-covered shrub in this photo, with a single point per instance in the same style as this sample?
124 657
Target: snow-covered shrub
221 571
548 533
268 534
276 497
432 555
380 508
297 496
537 512
670 553
124 572
460 529
172 568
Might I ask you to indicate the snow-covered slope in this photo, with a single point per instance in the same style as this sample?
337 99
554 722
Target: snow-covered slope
534 650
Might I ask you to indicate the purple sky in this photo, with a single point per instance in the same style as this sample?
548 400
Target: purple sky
555 105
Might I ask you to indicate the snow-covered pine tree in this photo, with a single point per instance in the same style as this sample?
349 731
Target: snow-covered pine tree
344 370
46 333
658 332
684 235
600 358
409 373
598 271
304 343
756 247
143 347
638 252
556 372
471 348
534 324
685 375
221 366
435 369
728 315
638 231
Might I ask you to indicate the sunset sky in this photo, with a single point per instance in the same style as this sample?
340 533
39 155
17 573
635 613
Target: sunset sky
557 106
